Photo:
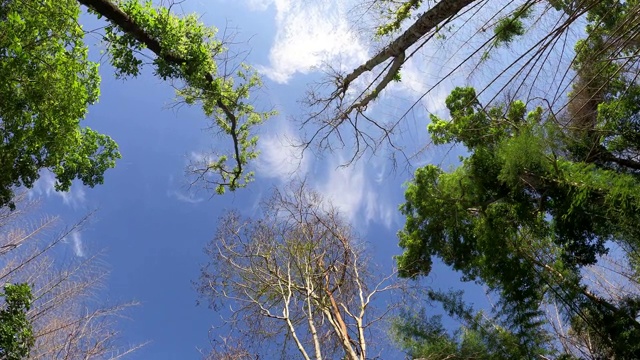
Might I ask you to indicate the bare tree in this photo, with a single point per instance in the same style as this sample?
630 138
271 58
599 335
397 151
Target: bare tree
228 349
538 69
67 321
296 277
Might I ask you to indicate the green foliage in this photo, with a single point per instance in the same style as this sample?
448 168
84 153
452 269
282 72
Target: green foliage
520 218
185 54
538 199
397 14
47 85
16 333
619 324
479 337
422 336
605 101
511 26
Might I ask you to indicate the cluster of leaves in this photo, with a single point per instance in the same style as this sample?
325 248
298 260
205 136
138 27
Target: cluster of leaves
397 13
47 85
480 337
49 82
186 52
16 333
522 215
512 26
539 198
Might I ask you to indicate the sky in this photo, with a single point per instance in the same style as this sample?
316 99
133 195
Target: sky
152 226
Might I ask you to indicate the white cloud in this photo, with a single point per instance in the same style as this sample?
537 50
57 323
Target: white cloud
45 185
75 239
199 157
185 195
280 157
258 5
308 34
345 188
418 78
187 198
356 192
378 210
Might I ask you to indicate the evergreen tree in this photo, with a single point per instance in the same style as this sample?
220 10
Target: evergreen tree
542 196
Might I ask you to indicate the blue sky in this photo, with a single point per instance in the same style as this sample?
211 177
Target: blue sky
153 227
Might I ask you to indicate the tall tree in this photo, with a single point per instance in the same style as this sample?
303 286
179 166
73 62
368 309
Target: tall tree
524 216
48 83
16 332
542 196
296 277
462 32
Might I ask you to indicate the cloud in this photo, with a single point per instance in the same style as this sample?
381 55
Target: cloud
258 5
308 34
357 192
187 198
279 156
75 238
418 78
199 157
345 187
379 211
45 185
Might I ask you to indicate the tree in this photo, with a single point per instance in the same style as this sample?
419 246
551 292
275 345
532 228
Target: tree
461 32
543 196
56 315
480 336
49 82
521 202
611 278
16 333
295 279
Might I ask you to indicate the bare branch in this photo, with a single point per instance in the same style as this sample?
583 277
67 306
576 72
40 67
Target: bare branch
298 264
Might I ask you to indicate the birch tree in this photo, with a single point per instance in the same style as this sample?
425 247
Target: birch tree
296 276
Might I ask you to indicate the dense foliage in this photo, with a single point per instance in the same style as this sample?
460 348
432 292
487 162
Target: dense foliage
16 333
47 85
48 82
541 196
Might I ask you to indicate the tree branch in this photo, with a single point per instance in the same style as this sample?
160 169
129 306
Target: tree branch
118 17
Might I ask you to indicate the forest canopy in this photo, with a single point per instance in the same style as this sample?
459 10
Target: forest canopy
540 198
538 206
49 82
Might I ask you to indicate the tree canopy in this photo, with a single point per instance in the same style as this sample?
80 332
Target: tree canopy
49 82
297 280
545 195
16 332
541 196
